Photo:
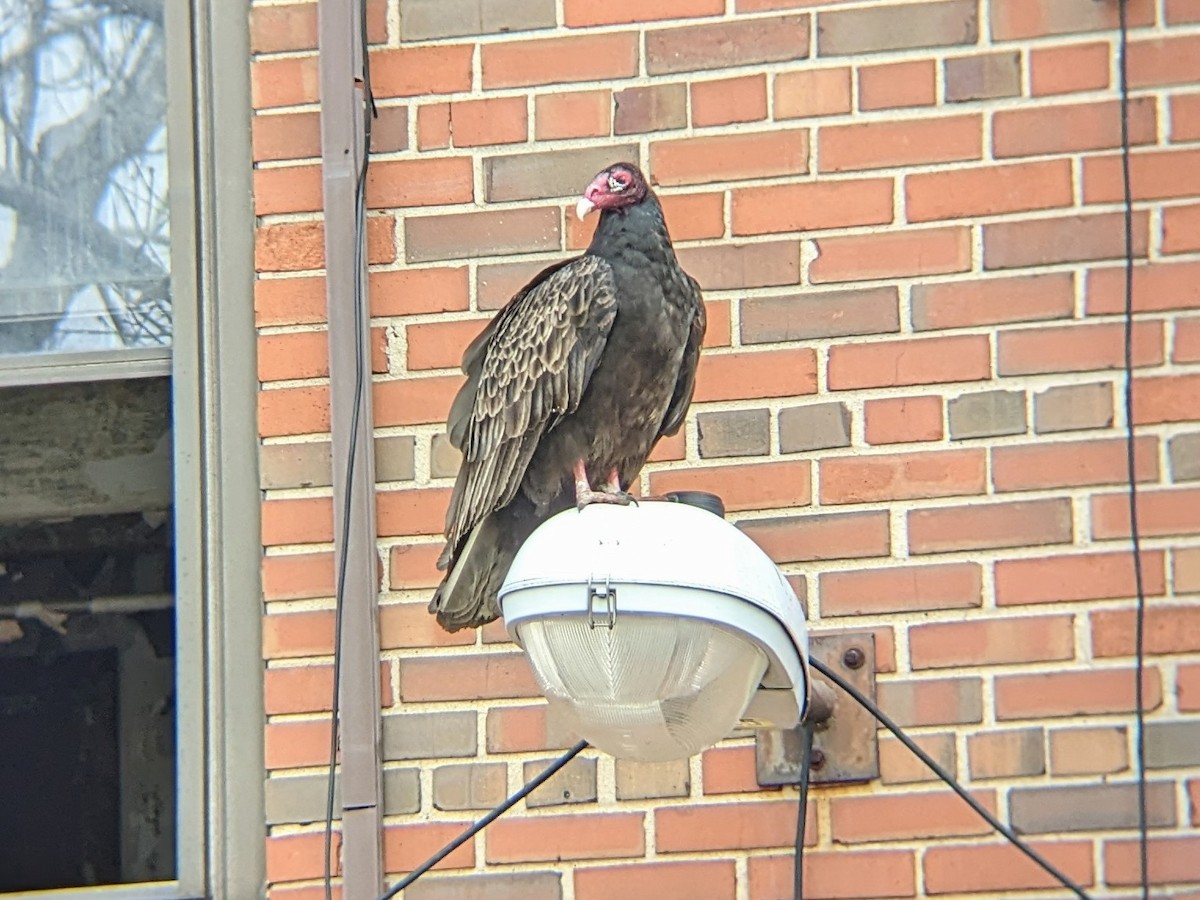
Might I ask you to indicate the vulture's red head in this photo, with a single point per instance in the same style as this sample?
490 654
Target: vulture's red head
617 187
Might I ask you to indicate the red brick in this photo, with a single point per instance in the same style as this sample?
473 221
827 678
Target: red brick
1072 693
413 566
466 677
1158 175
818 537
1089 751
277 29
897 254
414 291
414 401
993 642
812 206
1160 513
289 81
287 189
1070 127
582 13
897 85
1157 287
298 634
1070 69
907 476
987 526
1168 60
293 246
723 826
417 71
1169 629
729 770
898 420
291 135
761 486
1016 19
942 701
876 145
899 765
292 857
909 362
440 345
720 45
407 846
901 589
712 878
765 373
913 816
309 688
1166 398
433 126
808 93
297 576
1042 242
519 729
302 354
1186 348
729 157
836 876
694 216
729 100
1180 11
1188 688
499 120
554 838
988 190
298 410
1001 867
301 520
1048 464
411 511
403 625
1076 348
1172 859
590 57
289 301
572 115
296 743
1185 117
1082 576
993 301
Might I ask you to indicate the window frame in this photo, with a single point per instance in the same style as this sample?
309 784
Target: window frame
220 767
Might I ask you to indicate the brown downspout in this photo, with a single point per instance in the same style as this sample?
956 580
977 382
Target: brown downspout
342 141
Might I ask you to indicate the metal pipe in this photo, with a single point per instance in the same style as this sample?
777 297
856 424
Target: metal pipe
343 138
821 703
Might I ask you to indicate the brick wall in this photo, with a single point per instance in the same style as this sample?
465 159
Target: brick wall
907 219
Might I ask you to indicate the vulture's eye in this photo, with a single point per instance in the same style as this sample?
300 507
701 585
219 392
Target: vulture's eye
616 185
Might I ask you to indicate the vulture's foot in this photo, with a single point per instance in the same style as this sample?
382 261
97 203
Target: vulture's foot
588 497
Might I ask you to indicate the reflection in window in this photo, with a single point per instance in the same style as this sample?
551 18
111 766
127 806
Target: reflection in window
84 230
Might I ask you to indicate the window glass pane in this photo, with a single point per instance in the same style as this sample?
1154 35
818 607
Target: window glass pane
88 771
84 230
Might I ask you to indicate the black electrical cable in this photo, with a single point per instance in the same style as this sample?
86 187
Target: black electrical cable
945 776
360 221
485 821
806 747
1131 462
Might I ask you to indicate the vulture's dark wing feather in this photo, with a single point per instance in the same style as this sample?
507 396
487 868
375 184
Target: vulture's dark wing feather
686 384
530 366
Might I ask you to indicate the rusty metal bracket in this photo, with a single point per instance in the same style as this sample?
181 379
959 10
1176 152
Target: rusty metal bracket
845 747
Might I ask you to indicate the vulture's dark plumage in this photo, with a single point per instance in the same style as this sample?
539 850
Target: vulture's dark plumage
569 386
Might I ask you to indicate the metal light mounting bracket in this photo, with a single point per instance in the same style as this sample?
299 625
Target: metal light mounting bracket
845 747
605 597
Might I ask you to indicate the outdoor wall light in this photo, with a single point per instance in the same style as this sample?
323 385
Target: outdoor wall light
657 628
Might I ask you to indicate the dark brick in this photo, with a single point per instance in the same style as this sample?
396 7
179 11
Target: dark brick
1184 450
492 886
987 414
948 701
898 764
735 266
1048 810
422 20
301 799
444 457
573 783
1173 745
819 537
472 786
429 735
983 77
651 780
394 458
658 107
726 44
561 173
799 317
1073 407
460 235
1006 754
817 427
742 432
499 283
294 465
1043 242
872 30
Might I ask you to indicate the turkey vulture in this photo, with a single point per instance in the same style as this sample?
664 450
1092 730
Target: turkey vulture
569 387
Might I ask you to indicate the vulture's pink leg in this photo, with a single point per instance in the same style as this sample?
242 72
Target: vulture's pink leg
585 495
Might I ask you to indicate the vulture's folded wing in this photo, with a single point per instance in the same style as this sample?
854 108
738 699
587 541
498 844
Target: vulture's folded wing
685 384
529 367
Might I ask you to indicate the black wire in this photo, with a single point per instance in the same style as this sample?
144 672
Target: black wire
949 779
1131 461
360 216
485 821
802 815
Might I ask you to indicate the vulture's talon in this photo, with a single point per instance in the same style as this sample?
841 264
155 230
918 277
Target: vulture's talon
586 498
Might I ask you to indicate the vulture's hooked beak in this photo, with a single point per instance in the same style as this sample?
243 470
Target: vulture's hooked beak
583 207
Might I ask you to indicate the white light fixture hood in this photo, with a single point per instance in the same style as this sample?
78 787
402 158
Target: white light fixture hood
657 628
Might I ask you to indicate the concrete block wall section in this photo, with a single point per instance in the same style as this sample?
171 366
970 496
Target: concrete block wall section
906 215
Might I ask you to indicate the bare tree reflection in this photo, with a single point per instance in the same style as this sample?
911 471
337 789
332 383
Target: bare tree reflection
84 230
